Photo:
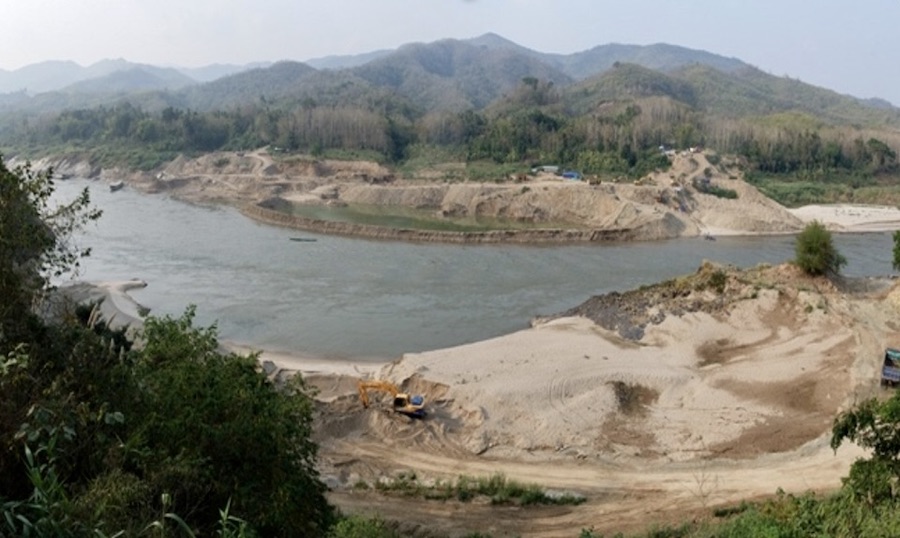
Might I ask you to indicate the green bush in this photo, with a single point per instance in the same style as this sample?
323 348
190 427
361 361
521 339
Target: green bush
815 252
359 527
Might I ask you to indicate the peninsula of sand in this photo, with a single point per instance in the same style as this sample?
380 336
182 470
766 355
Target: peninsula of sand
535 207
652 404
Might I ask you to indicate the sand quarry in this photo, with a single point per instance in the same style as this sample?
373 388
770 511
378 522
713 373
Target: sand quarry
654 404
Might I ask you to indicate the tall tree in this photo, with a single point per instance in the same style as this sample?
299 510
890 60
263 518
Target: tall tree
35 241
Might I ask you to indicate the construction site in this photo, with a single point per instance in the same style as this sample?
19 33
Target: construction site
649 405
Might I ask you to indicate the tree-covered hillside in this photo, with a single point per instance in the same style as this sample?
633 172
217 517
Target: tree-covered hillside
490 99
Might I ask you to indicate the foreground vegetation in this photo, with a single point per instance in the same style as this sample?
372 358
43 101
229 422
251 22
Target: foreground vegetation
497 488
101 437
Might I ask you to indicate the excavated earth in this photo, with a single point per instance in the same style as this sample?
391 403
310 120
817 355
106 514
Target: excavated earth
655 404
663 205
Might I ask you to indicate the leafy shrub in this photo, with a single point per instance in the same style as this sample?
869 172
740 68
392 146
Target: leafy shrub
359 527
718 280
815 252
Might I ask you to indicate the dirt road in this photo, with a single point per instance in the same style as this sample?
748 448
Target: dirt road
619 497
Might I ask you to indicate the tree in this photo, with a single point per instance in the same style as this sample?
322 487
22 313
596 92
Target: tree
872 425
815 251
35 242
211 429
99 438
106 437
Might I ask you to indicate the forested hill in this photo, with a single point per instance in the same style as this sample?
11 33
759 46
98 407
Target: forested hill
604 111
446 75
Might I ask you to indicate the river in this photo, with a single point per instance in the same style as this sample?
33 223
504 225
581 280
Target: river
351 298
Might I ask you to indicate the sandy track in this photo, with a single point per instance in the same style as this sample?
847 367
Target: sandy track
620 498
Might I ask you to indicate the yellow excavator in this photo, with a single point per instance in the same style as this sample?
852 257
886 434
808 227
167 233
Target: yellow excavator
411 406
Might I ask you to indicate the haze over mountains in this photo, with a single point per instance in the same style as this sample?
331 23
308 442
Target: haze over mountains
443 75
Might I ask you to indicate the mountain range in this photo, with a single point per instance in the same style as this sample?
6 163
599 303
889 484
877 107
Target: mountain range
444 75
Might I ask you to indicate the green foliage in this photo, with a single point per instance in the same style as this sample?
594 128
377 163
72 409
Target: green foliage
718 280
35 241
896 259
815 252
706 187
359 527
497 488
216 430
98 437
872 425
117 431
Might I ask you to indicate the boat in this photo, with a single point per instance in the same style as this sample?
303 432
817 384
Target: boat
304 239
116 185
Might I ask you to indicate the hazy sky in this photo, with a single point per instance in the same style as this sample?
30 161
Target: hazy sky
851 47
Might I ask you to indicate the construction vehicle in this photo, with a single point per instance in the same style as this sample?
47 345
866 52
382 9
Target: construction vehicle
890 370
411 406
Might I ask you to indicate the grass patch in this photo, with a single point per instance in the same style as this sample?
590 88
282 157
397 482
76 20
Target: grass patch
497 488
430 159
400 217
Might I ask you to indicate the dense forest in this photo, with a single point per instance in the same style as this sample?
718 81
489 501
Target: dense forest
531 125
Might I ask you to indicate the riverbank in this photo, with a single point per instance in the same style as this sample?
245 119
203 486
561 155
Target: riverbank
687 200
852 218
701 391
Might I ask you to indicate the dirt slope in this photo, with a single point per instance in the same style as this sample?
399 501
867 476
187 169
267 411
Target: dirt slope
663 205
700 391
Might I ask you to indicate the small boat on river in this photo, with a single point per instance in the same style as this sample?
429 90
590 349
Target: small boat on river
116 186
304 239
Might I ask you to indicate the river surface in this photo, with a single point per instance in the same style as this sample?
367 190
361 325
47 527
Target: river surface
352 298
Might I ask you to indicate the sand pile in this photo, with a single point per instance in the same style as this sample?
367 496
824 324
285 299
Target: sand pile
708 365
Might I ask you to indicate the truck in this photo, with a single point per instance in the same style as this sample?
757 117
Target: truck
890 370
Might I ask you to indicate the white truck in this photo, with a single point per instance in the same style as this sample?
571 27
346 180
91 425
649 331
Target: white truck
890 371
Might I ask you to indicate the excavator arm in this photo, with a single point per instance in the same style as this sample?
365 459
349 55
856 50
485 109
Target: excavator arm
402 403
383 386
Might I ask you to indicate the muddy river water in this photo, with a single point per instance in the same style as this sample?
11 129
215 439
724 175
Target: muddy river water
352 298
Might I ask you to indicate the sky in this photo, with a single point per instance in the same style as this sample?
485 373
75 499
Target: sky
850 47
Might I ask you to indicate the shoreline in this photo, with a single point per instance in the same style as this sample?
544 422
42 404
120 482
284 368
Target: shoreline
537 236
120 309
851 218
837 218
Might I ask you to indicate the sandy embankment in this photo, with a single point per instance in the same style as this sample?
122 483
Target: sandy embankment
665 399
852 217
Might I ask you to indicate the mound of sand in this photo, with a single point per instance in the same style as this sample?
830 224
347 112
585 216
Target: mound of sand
676 372
707 389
